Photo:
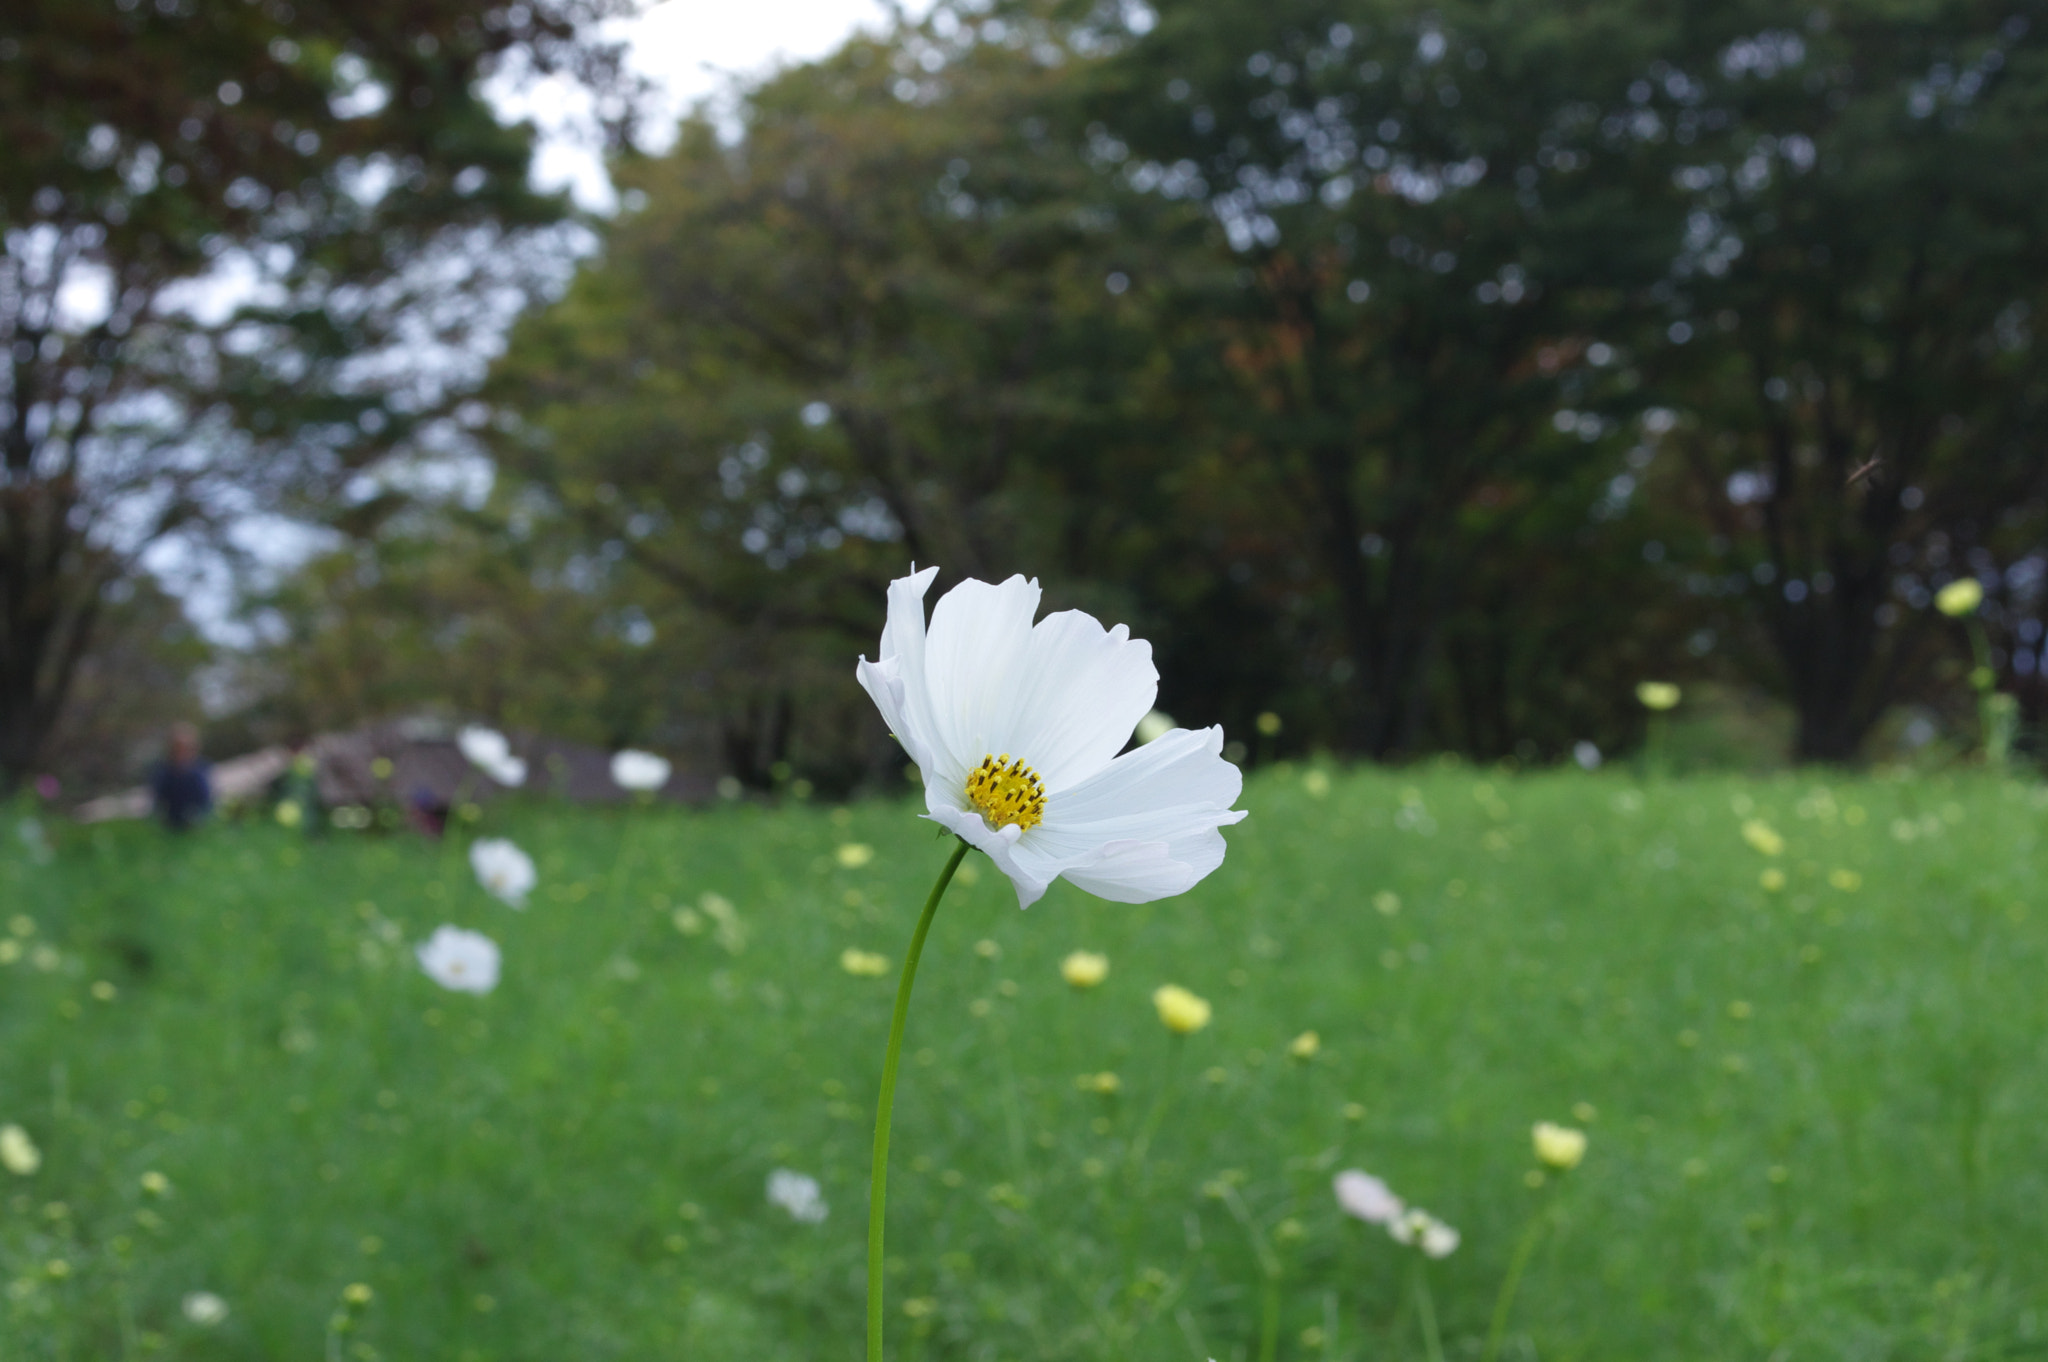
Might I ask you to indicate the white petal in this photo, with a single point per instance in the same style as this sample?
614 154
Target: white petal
1000 846
896 680
1145 827
883 681
973 659
1078 692
1185 768
1134 872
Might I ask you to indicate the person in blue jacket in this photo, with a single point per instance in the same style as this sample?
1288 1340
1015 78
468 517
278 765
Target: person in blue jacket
181 785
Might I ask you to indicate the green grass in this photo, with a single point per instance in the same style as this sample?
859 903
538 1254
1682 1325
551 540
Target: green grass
573 1167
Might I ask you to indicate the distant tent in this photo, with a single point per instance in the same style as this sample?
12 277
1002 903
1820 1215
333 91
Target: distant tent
426 762
426 769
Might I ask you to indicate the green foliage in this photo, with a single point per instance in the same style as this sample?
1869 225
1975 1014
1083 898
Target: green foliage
1435 390
293 221
1811 1133
1847 327
874 330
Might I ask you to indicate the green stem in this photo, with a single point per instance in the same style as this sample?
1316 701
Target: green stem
1430 1340
1506 1301
885 1105
1142 1147
1984 680
1269 1321
1269 1268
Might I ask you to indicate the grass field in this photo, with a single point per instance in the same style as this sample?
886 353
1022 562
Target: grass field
1817 1113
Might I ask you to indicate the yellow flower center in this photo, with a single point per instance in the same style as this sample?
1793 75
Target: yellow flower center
1005 792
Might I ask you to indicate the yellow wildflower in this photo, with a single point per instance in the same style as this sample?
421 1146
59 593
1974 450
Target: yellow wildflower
1561 1147
1960 597
1181 1011
1085 969
1658 695
854 855
1763 837
863 964
1305 1045
18 1153
1772 880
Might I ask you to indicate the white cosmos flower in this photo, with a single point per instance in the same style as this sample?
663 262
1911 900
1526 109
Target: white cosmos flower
466 962
1365 1196
799 1195
1016 728
1418 1228
490 752
633 770
502 869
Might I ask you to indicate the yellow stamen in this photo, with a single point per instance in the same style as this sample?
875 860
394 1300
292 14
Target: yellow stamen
1005 792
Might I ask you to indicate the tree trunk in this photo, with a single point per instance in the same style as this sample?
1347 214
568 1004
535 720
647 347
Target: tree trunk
50 582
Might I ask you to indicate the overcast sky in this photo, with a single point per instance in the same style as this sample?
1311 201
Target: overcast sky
691 49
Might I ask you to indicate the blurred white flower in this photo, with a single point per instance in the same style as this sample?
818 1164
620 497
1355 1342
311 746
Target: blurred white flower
490 752
799 1195
204 1308
466 962
1586 754
483 746
1439 1240
1016 730
639 771
18 1153
502 869
1417 1227
1365 1196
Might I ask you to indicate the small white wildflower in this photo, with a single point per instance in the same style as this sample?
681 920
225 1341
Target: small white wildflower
205 1309
640 771
466 962
503 870
1417 1227
1365 1196
490 752
799 1195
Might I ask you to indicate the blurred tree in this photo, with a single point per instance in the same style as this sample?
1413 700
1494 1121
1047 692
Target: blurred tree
245 249
1850 327
1398 368
457 615
883 325
138 677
